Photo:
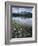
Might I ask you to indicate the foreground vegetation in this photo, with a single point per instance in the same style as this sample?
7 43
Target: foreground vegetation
20 30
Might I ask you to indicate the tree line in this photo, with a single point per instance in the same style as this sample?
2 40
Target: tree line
28 15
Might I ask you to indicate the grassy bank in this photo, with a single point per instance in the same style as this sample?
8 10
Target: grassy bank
20 30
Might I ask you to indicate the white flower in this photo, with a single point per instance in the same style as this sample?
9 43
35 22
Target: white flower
14 28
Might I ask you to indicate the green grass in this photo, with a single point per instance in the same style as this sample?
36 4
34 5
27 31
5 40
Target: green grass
20 30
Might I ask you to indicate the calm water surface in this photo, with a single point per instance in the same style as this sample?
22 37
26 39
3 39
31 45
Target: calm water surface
22 20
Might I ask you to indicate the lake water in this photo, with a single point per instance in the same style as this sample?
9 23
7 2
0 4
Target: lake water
22 20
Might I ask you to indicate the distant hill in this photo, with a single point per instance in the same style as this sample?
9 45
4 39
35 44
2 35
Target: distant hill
22 14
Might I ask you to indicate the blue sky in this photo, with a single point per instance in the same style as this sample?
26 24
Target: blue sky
19 10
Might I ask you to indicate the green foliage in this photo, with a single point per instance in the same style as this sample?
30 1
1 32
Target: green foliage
20 31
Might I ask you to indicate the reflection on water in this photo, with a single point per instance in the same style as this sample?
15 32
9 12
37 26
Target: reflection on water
22 20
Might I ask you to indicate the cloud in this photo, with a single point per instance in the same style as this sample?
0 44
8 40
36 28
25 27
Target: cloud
19 10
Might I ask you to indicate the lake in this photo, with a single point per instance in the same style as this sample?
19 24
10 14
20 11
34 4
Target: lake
22 20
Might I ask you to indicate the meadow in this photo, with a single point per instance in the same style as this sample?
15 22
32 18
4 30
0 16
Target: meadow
20 30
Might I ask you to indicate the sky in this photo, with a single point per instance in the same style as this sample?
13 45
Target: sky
19 10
